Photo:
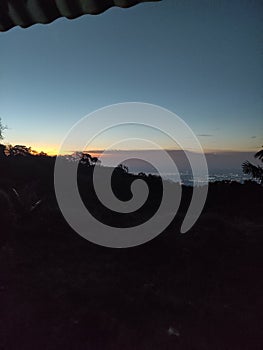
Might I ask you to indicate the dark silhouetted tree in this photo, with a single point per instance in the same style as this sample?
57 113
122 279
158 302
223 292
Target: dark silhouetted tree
123 168
2 129
2 147
87 159
256 171
20 150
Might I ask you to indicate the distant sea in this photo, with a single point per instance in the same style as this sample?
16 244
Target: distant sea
186 178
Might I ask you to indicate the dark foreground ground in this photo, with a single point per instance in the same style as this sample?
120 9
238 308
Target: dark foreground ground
198 291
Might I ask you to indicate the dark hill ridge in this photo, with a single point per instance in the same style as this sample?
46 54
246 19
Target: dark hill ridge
201 290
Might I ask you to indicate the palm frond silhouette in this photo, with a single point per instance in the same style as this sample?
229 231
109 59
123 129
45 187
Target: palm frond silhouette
259 155
15 206
256 171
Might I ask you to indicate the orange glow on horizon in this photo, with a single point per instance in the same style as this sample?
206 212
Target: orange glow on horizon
53 150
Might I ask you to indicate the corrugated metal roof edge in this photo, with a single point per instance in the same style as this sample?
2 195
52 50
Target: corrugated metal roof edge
24 18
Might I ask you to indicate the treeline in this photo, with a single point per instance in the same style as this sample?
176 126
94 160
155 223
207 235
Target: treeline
19 150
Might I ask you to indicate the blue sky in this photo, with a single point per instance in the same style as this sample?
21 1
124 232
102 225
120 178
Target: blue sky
202 60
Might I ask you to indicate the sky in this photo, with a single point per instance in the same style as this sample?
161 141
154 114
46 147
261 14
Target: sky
201 60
